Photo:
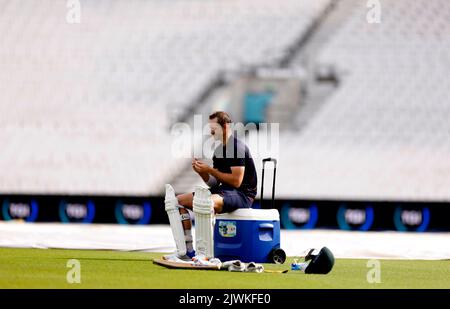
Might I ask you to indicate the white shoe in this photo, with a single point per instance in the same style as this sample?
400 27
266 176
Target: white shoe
174 257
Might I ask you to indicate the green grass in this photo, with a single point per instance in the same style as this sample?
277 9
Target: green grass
40 268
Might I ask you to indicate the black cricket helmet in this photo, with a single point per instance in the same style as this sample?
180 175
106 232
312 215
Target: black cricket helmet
322 263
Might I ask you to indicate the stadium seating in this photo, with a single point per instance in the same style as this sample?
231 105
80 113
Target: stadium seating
384 134
86 108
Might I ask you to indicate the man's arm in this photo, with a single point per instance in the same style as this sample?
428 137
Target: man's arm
205 176
234 179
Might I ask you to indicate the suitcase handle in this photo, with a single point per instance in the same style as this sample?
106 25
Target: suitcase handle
270 160
274 176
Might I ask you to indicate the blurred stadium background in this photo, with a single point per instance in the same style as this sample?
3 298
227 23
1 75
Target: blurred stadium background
86 111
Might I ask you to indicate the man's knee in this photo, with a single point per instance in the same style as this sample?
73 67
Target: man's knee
185 199
218 208
181 199
218 203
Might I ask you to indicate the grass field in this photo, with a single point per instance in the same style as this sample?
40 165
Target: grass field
40 268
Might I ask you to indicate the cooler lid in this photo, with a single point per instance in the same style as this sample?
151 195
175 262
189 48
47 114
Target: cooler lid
251 214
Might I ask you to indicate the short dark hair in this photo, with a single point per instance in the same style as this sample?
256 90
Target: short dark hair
222 118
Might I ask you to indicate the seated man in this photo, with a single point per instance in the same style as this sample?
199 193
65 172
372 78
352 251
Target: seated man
232 181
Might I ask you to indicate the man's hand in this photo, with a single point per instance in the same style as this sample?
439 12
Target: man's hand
233 179
201 167
199 170
193 165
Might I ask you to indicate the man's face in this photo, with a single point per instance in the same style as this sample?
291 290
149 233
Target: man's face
216 129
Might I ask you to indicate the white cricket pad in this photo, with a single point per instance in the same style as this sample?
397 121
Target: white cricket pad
204 225
171 206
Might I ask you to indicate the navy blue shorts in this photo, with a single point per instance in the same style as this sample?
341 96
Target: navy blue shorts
232 199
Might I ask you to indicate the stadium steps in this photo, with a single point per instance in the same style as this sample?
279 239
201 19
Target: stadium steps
332 19
317 90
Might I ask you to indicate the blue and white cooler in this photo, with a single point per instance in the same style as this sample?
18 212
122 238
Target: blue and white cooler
249 235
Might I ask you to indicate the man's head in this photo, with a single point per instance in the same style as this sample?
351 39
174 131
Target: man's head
219 123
